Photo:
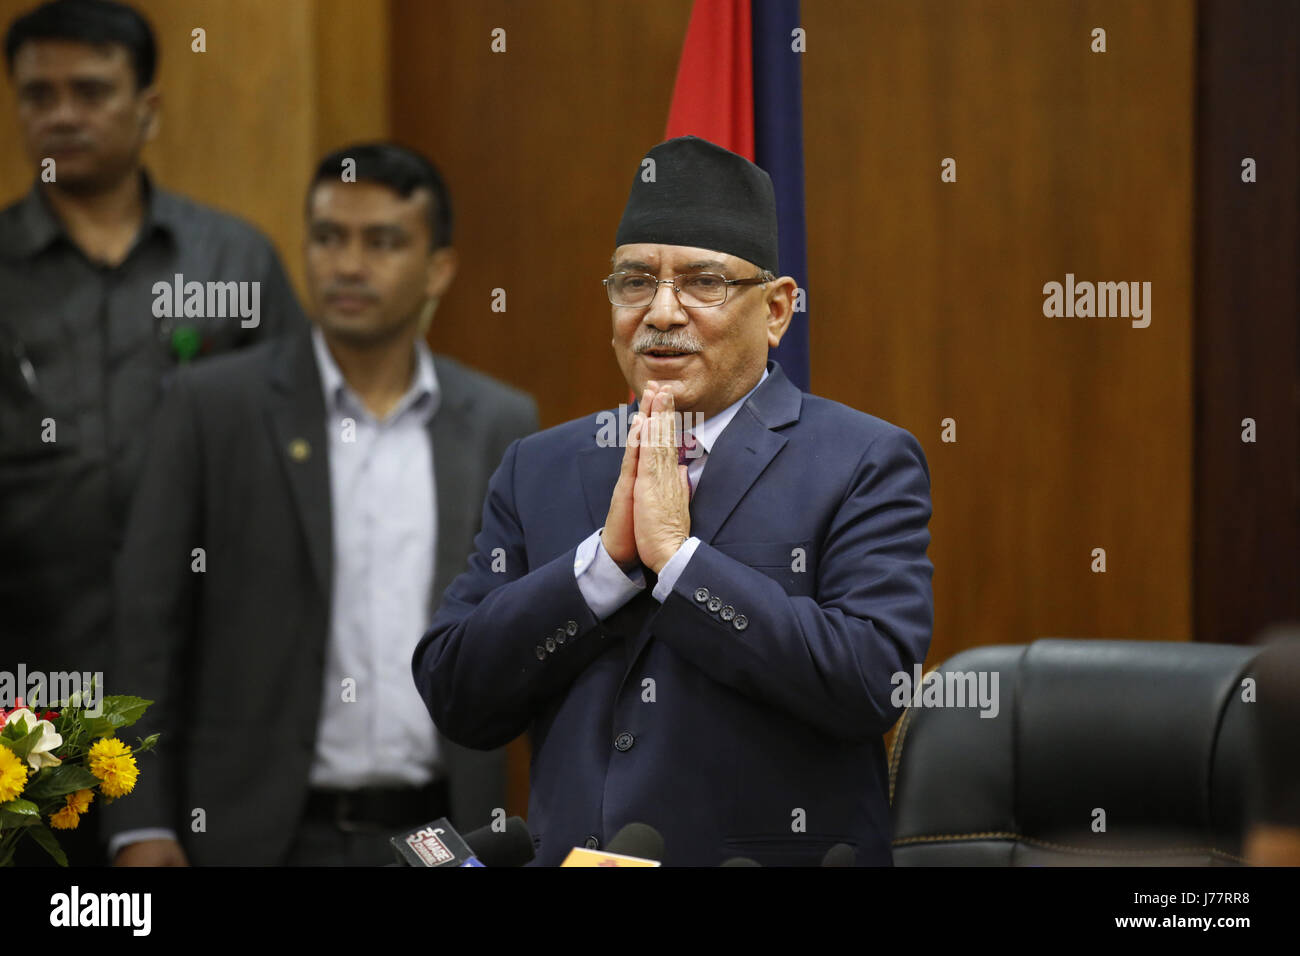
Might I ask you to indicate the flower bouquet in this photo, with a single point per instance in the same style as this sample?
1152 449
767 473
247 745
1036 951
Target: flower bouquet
53 766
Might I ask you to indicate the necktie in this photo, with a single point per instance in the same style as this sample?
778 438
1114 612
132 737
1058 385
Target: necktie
684 458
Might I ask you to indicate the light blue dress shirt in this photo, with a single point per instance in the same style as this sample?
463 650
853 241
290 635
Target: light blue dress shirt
374 729
604 585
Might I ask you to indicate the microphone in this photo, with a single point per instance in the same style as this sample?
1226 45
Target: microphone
511 847
740 861
438 844
841 854
433 844
637 844
639 840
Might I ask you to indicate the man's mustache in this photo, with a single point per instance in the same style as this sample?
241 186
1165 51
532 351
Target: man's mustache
666 341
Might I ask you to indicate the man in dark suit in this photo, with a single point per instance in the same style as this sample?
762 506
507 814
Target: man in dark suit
303 509
701 635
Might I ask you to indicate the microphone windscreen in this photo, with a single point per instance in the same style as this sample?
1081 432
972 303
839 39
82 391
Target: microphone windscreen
511 847
741 861
639 840
841 854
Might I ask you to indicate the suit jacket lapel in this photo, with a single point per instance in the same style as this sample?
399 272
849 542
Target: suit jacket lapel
599 469
298 428
451 436
739 456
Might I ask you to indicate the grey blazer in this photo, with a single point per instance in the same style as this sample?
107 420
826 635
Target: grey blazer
233 656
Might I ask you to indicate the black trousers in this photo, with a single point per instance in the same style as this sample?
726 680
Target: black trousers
324 840
323 843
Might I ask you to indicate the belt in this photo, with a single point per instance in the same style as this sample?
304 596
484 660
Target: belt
378 808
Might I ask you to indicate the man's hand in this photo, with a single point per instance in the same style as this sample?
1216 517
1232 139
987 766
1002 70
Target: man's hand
151 853
661 497
618 537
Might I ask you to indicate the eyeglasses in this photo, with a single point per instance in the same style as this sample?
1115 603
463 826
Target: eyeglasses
696 290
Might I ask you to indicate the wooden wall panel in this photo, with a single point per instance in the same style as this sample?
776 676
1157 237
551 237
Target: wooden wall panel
1247 548
353 72
927 303
538 145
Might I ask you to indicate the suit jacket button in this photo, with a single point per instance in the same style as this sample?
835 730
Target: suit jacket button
571 629
591 843
740 623
560 635
550 645
701 595
623 742
540 652
714 604
727 613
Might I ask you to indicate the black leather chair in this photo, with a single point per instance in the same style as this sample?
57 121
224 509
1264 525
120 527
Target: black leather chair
1154 734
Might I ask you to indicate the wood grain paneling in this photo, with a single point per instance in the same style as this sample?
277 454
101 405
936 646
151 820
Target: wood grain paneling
1247 547
927 302
539 145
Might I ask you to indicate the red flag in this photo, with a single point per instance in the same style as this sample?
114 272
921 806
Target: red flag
713 97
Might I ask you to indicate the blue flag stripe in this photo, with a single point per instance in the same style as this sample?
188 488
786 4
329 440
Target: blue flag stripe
778 148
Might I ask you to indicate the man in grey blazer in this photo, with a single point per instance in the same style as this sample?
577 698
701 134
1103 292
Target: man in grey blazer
304 507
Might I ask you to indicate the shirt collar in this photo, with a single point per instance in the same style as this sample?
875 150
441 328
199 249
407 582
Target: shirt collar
163 211
424 389
715 425
39 227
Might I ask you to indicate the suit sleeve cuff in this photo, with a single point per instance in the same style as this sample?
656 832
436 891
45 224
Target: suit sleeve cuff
127 837
603 584
671 571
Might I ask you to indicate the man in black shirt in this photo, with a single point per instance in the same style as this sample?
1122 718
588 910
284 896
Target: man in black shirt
107 283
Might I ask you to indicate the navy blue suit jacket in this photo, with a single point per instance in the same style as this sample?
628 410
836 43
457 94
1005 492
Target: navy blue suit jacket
749 725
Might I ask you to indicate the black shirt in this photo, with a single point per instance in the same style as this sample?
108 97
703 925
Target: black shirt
84 356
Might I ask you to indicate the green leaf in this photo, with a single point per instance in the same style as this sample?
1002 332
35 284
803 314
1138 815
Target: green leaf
56 781
43 836
105 726
12 821
18 805
22 746
16 814
124 710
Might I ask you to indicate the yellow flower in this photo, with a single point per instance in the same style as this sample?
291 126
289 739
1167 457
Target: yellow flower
111 761
80 801
105 748
65 819
13 775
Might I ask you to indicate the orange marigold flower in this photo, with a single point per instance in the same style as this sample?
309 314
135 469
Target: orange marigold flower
65 819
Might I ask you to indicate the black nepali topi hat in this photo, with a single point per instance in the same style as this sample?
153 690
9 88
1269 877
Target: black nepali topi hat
699 194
